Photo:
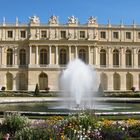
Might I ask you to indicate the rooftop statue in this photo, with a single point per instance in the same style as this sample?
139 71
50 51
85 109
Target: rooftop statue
72 20
34 20
92 20
53 20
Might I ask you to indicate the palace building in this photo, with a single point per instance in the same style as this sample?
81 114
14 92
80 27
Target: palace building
38 52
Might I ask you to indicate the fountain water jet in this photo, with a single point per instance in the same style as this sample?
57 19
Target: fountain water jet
79 83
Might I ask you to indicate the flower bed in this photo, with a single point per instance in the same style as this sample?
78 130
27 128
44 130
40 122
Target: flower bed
83 126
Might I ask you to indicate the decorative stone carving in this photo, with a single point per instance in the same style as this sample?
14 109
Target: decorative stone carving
34 20
92 20
72 20
69 36
53 20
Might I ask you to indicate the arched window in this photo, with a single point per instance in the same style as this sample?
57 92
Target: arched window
128 58
43 81
22 81
63 57
9 81
129 81
22 57
116 81
115 58
9 57
139 58
82 55
104 81
43 57
102 58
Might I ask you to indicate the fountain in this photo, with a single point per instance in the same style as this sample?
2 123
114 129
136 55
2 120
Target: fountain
79 83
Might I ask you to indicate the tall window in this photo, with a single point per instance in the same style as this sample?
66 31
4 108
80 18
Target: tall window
43 57
103 34
22 81
138 35
23 34
128 58
116 81
63 34
9 57
139 58
43 34
9 81
10 34
102 58
129 81
43 81
22 57
63 57
82 55
115 35
128 35
115 58
104 81
82 34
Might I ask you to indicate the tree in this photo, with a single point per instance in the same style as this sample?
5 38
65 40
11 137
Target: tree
36 93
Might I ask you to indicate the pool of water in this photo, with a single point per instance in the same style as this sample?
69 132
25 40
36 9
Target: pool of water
54 106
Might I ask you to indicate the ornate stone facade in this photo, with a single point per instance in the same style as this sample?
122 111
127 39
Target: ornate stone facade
38 53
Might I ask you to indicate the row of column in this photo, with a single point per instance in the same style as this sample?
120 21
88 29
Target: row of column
56 54
93 57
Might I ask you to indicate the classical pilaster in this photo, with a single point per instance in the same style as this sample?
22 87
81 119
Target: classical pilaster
0 55
15 55
4 49
122 81
96 56
56 54
30 55
76 52
50 54
135 58
110 57
89 62
110 81
36 55
14 82
122 57
69 53
136 80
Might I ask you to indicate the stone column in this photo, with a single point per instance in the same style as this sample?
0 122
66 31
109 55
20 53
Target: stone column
36 55
96 57
15 55
135 58
50 56
122 81
56 54
136 80
122 57
89 62
30 55
0 55
110 81
69 53
76 52
14 82
3 62
110 57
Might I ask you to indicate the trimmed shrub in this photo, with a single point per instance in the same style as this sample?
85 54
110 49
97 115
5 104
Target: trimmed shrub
36 93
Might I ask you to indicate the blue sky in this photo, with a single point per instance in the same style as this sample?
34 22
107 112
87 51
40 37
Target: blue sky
115 10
